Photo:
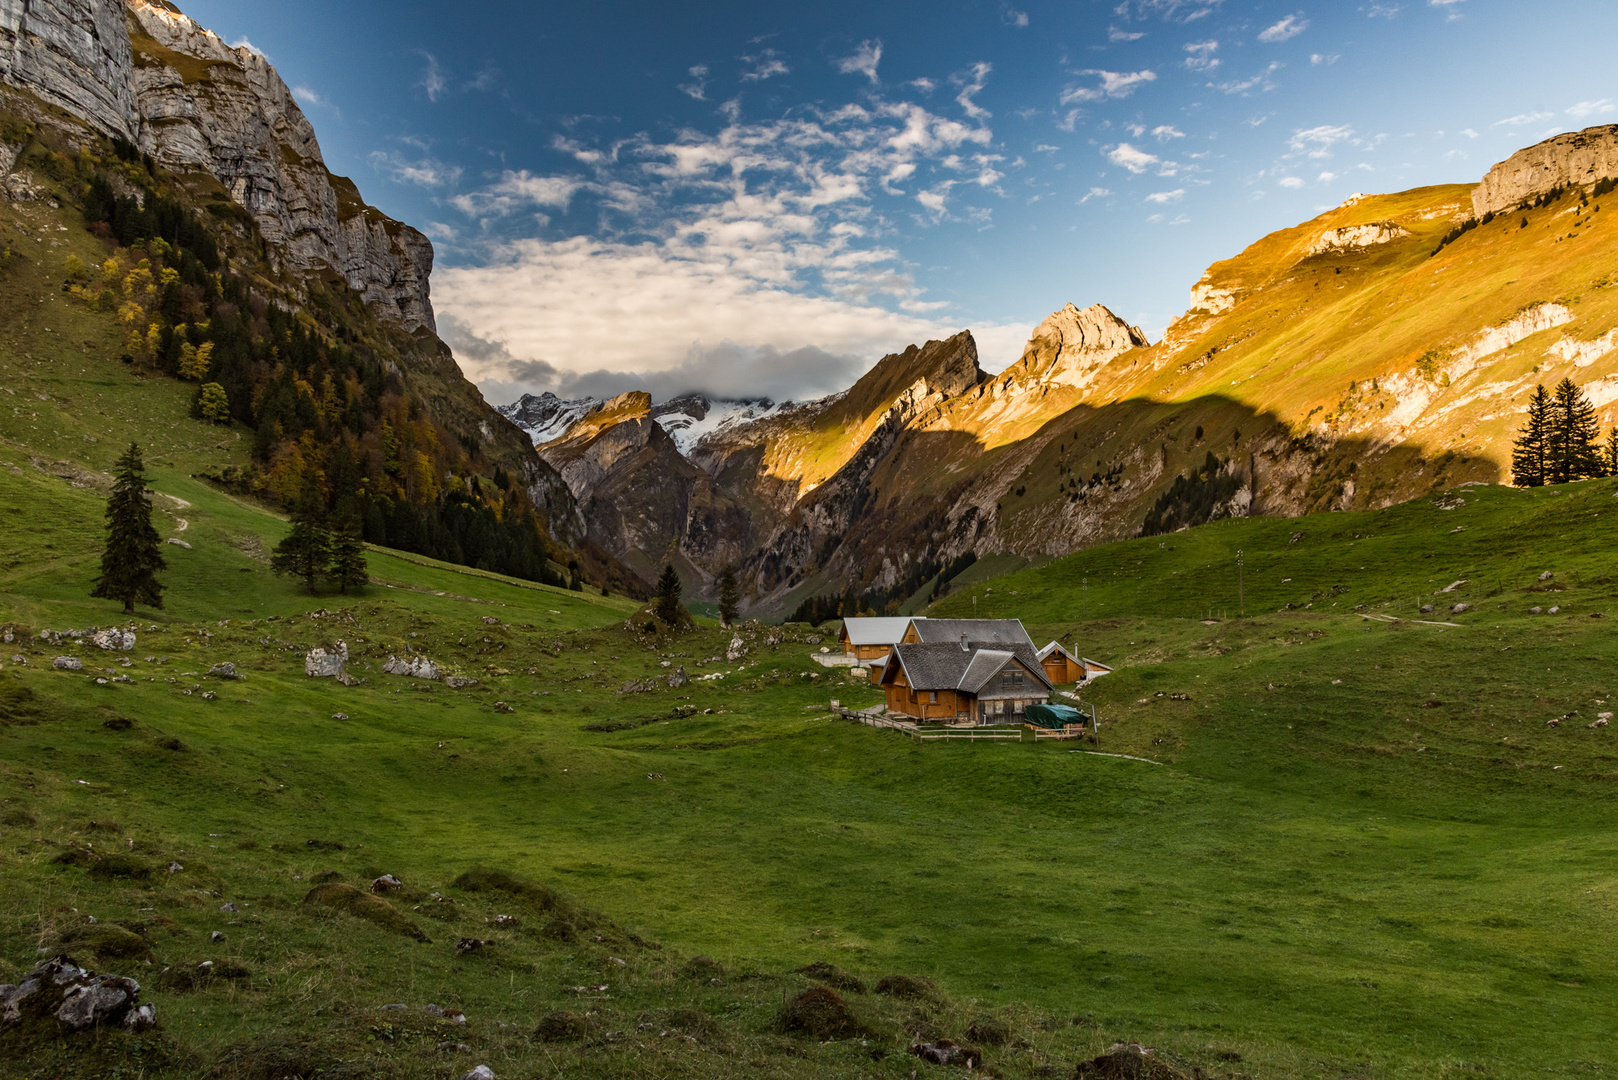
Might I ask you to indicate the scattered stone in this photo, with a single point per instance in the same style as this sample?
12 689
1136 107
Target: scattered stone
175 868
114 640
502 707
459 682
947 1052
1459 608
490 620
228 908
679 679
482 1072
1426 609
68 663
209 695
339 716
737 650
227 670
1554 722
177 542
417 667
1554 610
637 686
471 944
453 1048
386 883
216 937
1601 721
1535 610
320 664
505 921
80 1000
1546 576
101 682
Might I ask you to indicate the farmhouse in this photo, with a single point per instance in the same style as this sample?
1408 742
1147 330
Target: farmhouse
1062 667
871 638
982 682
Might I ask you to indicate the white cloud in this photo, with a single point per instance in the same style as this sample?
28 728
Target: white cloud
1164 132
1285 30
426 172
1326 177
1317 142
1045 148
1322 59
1202 55
1163 198
1381 11
243 43
1469 133
1591 108
1168 10
1522 118
1013 17
1290 182
1095 193
1136 161
864 60
765 65
1115 34
698 86
971 84
307 97
432 79
517 191
1114 84
1261 80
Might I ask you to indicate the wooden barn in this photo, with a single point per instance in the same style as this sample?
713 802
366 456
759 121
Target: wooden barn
867 639
978 682
1062 667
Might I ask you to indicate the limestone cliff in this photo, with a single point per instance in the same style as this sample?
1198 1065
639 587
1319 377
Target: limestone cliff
1580 157
73 54
204 105
1070 346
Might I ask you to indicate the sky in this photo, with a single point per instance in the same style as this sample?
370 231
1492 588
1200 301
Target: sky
763 199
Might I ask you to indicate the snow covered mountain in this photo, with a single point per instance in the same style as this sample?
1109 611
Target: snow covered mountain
687 419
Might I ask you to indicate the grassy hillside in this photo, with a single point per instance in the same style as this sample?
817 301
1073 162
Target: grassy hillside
1361 851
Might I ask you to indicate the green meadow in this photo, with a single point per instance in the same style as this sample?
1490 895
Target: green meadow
1356 845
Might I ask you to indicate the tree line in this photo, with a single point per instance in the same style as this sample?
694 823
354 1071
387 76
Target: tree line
1561 440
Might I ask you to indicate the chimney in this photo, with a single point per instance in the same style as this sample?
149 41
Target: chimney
964 646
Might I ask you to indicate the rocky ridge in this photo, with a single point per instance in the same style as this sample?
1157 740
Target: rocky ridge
1577 158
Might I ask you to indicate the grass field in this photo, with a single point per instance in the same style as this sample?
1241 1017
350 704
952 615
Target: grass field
1361 850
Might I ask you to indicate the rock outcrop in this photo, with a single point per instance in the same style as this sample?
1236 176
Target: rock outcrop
1070 346
1349 237
204 105
1580 157
73 54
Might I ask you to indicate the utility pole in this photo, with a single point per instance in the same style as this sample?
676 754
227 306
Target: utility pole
1241 599
1084 599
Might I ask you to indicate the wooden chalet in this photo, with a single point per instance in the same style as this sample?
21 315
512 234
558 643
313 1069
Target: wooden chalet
979 682
1062 667
996 631
871 638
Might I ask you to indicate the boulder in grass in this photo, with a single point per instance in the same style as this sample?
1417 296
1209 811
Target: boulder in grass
482 1072
386 883
75 999
948 1052
321 664
68 663
114 640
416 667
679 679
459 682
226 670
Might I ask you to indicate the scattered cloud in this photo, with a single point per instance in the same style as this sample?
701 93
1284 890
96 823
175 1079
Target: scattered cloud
432 78
971 83
1523 118
1322 59
1326 177
1128 157
766 64
864 60
1012 17
243 43
1202 56
516 192
1167 10
1113 84
1261 81
1591 108
1045 148
1285 30
1163 133
1469 133
306 96
1115 34
1163 198
1290 182
1095 193
1381 11
425 172
697 88
1317 142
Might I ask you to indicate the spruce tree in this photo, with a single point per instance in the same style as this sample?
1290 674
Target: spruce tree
1574 431
668 595
1531 451
730 596
348 555
133 555
306 551
1609 454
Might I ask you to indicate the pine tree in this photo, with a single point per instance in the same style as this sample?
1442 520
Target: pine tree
730 596
668 595
1573 434
306 551
348 556
1531 451
133 555
1609 454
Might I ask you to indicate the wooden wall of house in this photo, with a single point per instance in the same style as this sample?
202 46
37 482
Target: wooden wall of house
917 704
1061 671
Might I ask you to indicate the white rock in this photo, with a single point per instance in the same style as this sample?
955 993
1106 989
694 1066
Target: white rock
482 1072
417 667
68 663
737 650
320 664
114 639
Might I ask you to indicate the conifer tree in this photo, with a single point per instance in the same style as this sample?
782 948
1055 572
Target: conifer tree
1531 451
1609 453
306 551
668 595
348 555
1573 434
730 596
133 556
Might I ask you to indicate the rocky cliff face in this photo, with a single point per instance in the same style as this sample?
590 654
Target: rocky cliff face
204 105
141 70
1580 157
1070 346
73 54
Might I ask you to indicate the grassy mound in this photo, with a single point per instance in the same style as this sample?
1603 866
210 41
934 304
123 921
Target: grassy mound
822 1013
907 987
563 1026
107 942
338 896
833 976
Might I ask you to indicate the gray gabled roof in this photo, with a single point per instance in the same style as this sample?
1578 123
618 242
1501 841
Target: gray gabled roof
989 631
875 631
1057 647
944 665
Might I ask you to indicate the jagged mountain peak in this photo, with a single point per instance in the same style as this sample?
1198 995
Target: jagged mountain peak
1071 343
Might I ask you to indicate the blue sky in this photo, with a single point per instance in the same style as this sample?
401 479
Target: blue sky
752 198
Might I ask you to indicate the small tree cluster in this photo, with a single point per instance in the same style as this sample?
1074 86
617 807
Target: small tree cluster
316 548
1558 442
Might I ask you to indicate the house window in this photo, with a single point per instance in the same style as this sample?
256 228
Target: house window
932 697
1011 679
